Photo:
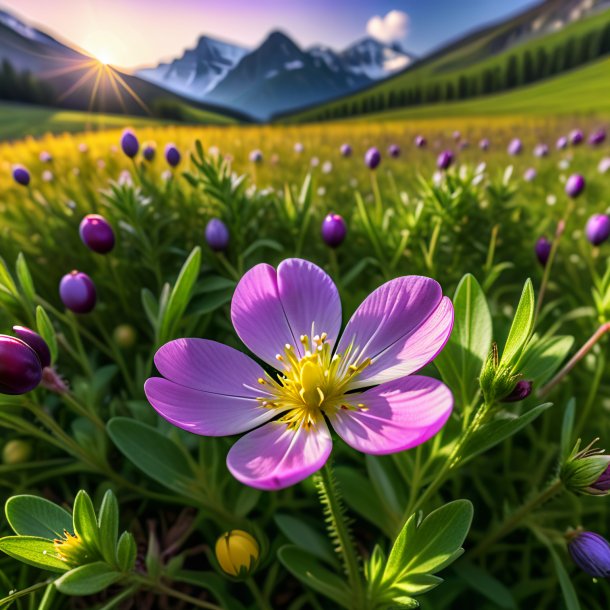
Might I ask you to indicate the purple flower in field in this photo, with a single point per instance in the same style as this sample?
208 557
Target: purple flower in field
444 160
420 141
463 145
96 233
334 230
598 229
36 342
346 150
515 147
361 383
217 235
530 174
21 175
520 392
372 158
256 156
484 144
543 250
129 143
576 137
591 553
77 292
602 484
172 155
45 157
394 150
575 185
562 143
20 367
541 150
597 137
149 151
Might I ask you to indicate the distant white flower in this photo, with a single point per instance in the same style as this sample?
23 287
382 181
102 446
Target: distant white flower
314 162
125 178
327 167
604 165
551 200
47 176
321 191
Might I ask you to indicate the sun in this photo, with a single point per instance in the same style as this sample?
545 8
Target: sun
103 57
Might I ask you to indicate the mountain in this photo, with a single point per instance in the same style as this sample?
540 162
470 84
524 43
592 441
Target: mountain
375 59
198 70
545 40
82 83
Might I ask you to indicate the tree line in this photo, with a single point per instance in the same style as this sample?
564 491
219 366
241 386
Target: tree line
23 86
519 68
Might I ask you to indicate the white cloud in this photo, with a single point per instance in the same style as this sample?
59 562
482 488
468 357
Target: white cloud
394 26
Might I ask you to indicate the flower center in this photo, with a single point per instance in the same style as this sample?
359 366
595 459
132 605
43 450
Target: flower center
311 384
71 549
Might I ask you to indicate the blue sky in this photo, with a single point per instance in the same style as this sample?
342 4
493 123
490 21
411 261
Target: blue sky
135 32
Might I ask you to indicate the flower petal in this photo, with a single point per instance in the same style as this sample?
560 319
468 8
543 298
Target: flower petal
397 415
390 326
413 350
270 310
310 299
258 316
276 456
205 413
209 366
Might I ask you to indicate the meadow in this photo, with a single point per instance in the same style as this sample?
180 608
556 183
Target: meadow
504 478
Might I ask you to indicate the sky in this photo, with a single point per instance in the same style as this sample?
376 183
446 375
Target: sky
132 33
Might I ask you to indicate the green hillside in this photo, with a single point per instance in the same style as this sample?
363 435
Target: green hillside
469 69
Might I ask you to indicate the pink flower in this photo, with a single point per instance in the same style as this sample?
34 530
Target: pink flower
360 383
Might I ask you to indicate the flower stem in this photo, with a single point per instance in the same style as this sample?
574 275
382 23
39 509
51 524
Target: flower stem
261 602
340 531
513 521
23 592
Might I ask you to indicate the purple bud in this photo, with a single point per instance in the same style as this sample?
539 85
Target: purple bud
520 392
576 137
575 185
530 174
256 156
149 152
217 235
603 481
591 553
541 150
21 175
463 145
77 292
444 160
129 143
562 143
543 250
96 233
484 144
372 158
597 137
172 155
346 150
36 342
420 141
515 147
598 229
20 368
333 230
394 150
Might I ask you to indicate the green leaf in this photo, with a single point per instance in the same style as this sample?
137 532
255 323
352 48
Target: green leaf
180 295
85 521
482 581
35 551
306 537
34 516
6 280
305 567
521 328
213 583
152 452
395 564
462 359
418 584
543 357
46 331
126 551
504 425
151 307
25 278
567 588
433 545
567 429
88 579
108 526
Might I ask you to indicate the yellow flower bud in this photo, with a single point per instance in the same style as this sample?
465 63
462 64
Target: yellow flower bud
236 551
16 452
